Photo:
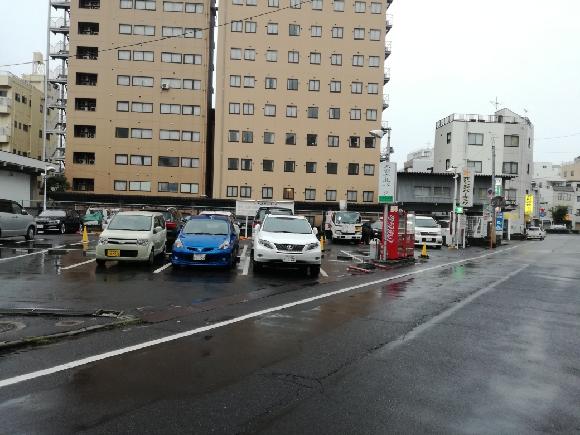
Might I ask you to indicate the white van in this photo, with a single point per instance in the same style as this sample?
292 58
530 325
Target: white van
427 231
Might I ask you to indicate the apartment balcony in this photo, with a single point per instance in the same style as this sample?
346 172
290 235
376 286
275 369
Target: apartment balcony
389 23
59 128
59 104
389 3
60 50
59 25
5 104
5 134
388 46
60 4
59 79
385 101
387 76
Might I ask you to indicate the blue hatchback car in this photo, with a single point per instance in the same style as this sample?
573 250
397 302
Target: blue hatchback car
206 241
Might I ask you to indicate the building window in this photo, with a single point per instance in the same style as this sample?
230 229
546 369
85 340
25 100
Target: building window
511 141
234 108
351 195
146 5
359 33
291 111
249 54
371 114
143 81
122 106
331 195
294 30
164 186
368 196
288 193
268 165
510 168
449 137
358 60
137 160
269 137
313 112
355 114
119 185
232 191
250 27
235 81
332 168
376 8
311 140
293 57
310 194
171 162
141 133
290 138
271 83
475 139
140 186
311 167
374 34
192 188
292 84
289 166
83 184
250 81
233 164
316 5
316 31
354 142
353 169
360 7
369 142
172 7
171 57
356 87
339 5
475 165
269 110
246 165
334 113
373 88
337 32
374 61
234 136
247 136
272 29
422 191
295 4
189 162
333 141
248 108
245 192
121 132
336 59
124 80
194 8
335 86
272 56
314 85
121 159
447 164
143 56
369 169
235 53
315 58
445 192
142 107
267 192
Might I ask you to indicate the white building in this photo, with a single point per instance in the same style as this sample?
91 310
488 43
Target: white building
466 140
19 176
547 176
420 161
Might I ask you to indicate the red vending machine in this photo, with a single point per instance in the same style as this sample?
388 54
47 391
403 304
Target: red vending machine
398 235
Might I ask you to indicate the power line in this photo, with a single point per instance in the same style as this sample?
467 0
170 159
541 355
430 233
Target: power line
150 41
559 137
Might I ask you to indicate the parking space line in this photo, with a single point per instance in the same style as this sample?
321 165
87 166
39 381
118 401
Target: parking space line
242 256
246 265
354 257
2 260
162 268
72 266
323 273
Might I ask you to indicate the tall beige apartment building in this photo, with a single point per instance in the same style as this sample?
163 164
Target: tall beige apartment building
299 86
139 96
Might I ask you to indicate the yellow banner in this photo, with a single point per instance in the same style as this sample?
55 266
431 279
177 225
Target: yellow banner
529 207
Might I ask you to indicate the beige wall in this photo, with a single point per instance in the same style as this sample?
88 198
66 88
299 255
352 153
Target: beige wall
302 98
571 170
106 118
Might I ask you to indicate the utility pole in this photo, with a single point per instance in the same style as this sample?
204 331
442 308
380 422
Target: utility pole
492 235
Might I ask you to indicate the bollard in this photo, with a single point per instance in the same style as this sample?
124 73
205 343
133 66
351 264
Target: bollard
85 234
322 241
424 251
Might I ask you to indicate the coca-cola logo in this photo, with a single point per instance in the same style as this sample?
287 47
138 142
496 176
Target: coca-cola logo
390 229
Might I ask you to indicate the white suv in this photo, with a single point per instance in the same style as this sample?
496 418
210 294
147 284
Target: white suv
133 236
286 240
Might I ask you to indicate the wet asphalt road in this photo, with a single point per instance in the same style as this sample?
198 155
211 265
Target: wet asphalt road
487 345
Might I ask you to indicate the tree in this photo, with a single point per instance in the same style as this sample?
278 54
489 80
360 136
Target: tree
57 183
559 214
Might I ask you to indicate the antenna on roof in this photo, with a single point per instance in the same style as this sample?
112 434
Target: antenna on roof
496 103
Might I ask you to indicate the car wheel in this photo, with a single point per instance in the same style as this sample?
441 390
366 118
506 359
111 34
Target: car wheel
100 262
29 233
258 267
313 270
151 259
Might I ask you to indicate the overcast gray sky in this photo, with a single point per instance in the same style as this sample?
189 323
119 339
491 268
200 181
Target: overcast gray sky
449 56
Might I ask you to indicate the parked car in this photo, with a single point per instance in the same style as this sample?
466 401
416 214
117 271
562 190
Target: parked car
286 240
535 233
227 214
207 240
559 228
173 222
63 221
15 221
263 211
133 236
96 217
427 232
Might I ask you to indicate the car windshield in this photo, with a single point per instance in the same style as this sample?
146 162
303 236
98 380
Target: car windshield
52 213
533 229
377 225
287 225
347 217
425 222
212 227
276 211
130 222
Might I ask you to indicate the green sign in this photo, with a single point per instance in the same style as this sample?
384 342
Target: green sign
459 210
386 199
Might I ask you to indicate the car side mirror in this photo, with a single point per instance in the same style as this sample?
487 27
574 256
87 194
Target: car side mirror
315 231
157 230
257 228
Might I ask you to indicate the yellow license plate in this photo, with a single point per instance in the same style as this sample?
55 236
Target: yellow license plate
113 253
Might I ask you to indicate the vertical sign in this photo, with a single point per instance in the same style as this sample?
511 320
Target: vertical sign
499 222
466 190
387 182
392 235
529 207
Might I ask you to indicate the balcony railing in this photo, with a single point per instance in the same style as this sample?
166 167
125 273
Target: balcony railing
386 76
60 49
5 104
388 47
60 4
59 25
482 118
5 134
389 22
386 99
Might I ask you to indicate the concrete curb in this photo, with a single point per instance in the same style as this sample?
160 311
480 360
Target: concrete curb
45 339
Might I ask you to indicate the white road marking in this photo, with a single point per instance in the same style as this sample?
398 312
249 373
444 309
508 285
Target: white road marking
354 257
44 251
99 357
246 265
72 266
447 313
242 256
162 268
323 273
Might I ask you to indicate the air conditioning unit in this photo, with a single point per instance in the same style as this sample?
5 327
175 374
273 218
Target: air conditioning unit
164 86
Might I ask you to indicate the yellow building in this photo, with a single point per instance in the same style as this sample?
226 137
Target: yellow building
137 116
299 86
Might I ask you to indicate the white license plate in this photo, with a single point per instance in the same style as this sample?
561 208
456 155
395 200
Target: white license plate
289 259
39 227
198 257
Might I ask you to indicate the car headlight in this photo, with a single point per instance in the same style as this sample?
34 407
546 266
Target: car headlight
225 245
266 244
142 242
103 240
178 244
312 246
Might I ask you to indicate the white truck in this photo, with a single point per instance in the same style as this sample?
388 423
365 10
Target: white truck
343 225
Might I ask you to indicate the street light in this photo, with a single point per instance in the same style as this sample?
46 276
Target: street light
47 169
453 215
